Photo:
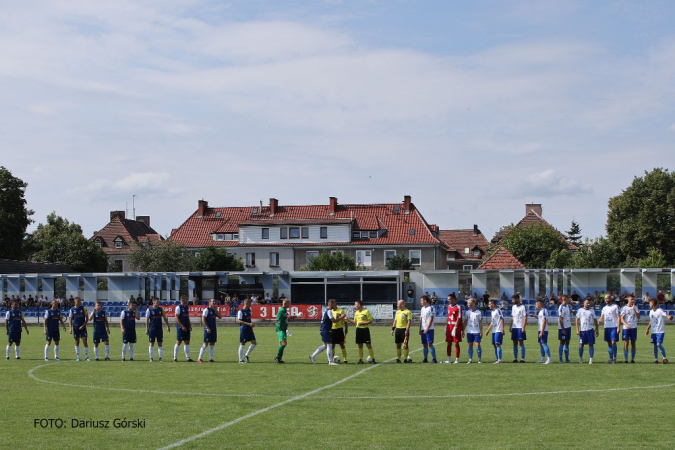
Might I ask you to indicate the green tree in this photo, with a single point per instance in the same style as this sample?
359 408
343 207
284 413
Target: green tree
326 261
211 259
642 217
160 256
533 244
59 241
14 216
574 233
654 260
399 262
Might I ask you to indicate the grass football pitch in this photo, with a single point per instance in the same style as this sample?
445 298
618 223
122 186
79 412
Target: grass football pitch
299 405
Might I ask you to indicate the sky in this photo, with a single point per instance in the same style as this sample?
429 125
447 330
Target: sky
472 108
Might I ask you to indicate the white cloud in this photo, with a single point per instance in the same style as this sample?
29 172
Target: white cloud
549 183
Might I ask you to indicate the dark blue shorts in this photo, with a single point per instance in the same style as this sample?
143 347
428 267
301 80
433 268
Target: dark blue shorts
326 336
246 334
428 338
544 337
156 335
211 337
100 337
14 338
497 338
629 334
53 335
657 338
611 335
129 338
79 334
182 335
473 337
587 337
564 334
517 334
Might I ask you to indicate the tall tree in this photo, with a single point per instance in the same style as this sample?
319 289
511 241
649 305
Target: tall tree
59 241
161 256
534 244
14 216
399 262
335 262
642 217
574 233
212 258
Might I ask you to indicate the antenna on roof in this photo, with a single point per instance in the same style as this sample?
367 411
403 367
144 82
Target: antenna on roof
126 209
133 203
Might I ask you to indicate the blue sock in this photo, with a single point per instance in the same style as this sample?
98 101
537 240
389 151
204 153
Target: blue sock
425 350
625 355
663 350
433 352
581 352
616 350
541 350
515 352
632 355
610 351
591 351
567 351
656 352
522 351
547 351
499 353
479 352
561 349
471 352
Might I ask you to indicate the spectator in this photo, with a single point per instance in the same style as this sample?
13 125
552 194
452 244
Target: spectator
660 298
434 298
503 304
669 300
646 298
575 297
411 294
267 297
504 297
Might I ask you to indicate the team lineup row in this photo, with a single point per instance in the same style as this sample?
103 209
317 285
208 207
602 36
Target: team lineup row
335 323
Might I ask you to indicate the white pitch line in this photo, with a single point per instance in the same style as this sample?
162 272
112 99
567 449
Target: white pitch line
268 408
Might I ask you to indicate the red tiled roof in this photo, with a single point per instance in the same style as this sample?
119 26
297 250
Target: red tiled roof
129 230
530 218
196 231
458 240
501 259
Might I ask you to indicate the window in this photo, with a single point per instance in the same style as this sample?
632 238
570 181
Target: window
305 232
373 234
311 256
196 254
118 244
283 233
450 257
476 253
389 254
466 250
364 257
467 267
294 232
274 259
356 235
250 260
235 237
265 233
218 214
119 265
323 232
412 232
364 235
99 242
397 208
416 257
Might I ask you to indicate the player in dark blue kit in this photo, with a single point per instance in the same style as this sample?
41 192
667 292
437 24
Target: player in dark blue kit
101 329
53 318
210 330
128 320
245 331
183 329
13 322
153 328
327 321
78 327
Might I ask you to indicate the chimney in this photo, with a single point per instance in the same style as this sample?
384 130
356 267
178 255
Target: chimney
475 230
144 219
332 206
406 204
203 207
120 214
274 204
534 207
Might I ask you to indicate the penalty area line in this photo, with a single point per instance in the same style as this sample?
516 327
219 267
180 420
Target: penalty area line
271 407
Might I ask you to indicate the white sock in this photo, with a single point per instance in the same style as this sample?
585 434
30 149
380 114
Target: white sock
160 351
46 351
77 351
8 347
16 350
201 351
318 350
175 351
241 353
56 351
107 351
96 352
250 349
86 352
124 351
449 358
186 347
329 353
150 351
211 351
131 350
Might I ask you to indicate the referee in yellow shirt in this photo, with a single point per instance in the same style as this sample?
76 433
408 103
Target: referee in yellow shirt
401 330
339 331
363 318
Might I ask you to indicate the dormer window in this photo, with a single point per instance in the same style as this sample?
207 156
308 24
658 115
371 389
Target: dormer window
119 242
98 241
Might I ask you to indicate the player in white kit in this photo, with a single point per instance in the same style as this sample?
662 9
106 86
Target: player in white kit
609 317
629 319
586 321
473 319
497 327
564 329
658 327
542 332
517 328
